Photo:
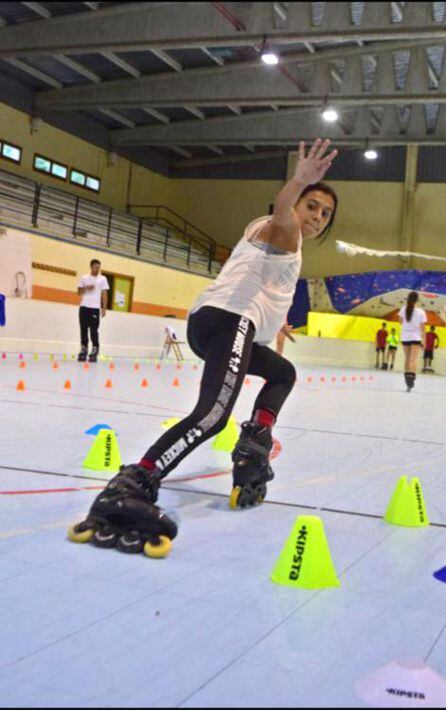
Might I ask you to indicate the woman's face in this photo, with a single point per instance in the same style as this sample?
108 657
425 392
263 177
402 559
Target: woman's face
314 211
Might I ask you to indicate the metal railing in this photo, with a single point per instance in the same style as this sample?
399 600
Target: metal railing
39 206
184 230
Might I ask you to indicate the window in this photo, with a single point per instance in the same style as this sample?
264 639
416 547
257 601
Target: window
42 164
93 183
88 181
77 177
11 152
48 166
60 171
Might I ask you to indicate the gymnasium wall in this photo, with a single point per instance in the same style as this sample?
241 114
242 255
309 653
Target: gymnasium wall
370 212
58 265
145 186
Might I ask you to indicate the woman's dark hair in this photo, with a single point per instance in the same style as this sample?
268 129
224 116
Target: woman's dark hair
411 301
323 187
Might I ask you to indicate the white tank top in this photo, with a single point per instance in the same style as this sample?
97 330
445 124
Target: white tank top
255 284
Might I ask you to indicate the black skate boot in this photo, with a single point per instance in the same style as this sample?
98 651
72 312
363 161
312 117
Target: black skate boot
251 469
409 378
83 354
124 516
93 356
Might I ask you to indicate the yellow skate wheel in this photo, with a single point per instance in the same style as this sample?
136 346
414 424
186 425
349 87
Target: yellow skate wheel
234 497
162 549
80 536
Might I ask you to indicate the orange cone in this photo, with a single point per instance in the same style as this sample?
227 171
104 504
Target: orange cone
158 366
195 367
111 366
179 367
176 382
247 381
136 366
109 384
86 366
67 385
20 385
322 379
333 379
353 378
309 379
144 383
22 364
55 366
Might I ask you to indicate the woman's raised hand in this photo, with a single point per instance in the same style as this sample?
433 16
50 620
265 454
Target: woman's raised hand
311 169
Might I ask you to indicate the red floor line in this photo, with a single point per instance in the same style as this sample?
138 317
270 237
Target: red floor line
277 448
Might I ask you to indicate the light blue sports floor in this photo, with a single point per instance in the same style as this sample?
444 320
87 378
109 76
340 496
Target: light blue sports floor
205 627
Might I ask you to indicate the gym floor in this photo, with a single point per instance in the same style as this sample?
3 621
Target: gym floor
206 627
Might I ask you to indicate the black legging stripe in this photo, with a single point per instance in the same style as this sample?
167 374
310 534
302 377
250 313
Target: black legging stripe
224 340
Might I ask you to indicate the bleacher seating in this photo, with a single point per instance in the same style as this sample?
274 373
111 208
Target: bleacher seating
36 206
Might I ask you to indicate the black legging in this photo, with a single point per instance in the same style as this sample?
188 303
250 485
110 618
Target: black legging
89 319
224 341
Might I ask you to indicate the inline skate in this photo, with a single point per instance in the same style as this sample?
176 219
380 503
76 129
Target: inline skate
251 470
124 516
83 354
93 356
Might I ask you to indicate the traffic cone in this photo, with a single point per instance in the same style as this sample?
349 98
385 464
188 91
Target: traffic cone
86 366
22 364
35 356
4 356
144 383
67 385
104 453
158 366
179 367
109 384
227 438
407 506
21 356
65 356
168 423
20 386
305 560
111 366
195 367
51 357
176 382
55 366
247 381
136 366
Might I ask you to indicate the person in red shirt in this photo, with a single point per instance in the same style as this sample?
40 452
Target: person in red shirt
381 342
431 344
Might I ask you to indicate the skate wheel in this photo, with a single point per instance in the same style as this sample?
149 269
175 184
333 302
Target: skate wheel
78 535
105 537
160 549
130 542
234 497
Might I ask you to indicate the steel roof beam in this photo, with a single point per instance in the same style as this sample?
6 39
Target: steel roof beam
160 26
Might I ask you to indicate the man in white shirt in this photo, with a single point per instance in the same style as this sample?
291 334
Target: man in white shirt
92 288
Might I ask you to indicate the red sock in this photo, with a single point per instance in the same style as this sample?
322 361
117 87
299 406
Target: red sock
264 417
149 465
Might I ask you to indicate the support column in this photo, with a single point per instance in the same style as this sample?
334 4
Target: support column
407 221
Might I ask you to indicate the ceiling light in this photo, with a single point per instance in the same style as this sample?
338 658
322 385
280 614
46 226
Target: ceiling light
270 58
370 154
330 115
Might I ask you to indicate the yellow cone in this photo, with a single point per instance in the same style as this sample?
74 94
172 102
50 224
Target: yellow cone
35 356
227 439
104 453
305 560
407 506
168 423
